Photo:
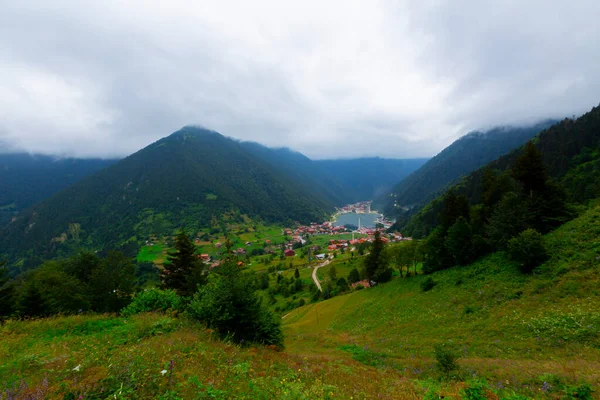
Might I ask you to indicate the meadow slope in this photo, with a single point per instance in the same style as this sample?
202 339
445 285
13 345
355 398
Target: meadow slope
519 336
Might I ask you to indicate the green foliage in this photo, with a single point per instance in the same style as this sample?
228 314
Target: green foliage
49 290
507 220
332 273
528 250
446 356
154 300
364 355
353 276
463 156
112 283
475 391
6 292
574 325
427 284
184 272
159 187
229 304
376 262
342 285
580 392
458 242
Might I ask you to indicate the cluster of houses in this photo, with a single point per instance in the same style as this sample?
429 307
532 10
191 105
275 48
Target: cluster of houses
363 207
326 228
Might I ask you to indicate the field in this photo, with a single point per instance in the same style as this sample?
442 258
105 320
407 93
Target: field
516 336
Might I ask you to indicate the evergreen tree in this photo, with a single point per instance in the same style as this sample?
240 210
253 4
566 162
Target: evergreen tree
332 273
6 292
454 206
373 259
436 256
296 274
530 171
508 219
184 272
353 276
112 284
458 242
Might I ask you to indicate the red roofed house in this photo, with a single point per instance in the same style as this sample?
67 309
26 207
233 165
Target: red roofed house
289 253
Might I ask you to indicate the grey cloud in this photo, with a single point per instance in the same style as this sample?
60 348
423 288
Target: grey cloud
329 79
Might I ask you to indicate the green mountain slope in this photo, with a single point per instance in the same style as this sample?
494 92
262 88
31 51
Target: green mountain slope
569 149
185 179
369 178
26 179
462 157
339 181
521 330
304 171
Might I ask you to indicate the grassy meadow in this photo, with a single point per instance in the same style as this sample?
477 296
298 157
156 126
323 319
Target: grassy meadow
516 336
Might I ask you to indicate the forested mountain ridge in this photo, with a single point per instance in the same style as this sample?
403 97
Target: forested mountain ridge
371 177
462 157
190 178
26 179
340 181
569 150
303 170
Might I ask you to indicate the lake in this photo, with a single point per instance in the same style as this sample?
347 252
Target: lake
366 220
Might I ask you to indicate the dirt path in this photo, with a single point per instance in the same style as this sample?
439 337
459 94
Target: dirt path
314 274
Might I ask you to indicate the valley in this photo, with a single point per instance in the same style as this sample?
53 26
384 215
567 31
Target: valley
203 267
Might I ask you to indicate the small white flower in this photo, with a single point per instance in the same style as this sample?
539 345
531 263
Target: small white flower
77 368
164 371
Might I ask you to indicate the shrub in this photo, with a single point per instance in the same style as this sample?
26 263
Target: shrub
229 304
154 300
446 357
583 392
428 284
353 276
527 249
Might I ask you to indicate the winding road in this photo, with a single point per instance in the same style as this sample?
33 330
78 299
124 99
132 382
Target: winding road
314 274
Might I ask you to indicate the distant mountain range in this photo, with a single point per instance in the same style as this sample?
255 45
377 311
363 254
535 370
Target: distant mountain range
26 179
193 178
462 157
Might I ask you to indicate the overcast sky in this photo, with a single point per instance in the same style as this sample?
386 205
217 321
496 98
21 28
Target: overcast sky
327 78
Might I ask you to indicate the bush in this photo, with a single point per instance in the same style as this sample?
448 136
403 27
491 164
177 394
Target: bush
353 276
229 304
428 284
446 356
527 249
154 300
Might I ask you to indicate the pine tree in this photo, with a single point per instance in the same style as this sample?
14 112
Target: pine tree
183 272
6 292
296 274
353 276
376 261
458 242
529 169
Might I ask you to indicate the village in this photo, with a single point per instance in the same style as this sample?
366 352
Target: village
300 244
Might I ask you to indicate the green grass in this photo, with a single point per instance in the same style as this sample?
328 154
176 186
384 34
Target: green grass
534 335
153 254
509 326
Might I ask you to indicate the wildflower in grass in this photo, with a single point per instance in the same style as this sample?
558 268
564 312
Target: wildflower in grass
163 372
77 368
